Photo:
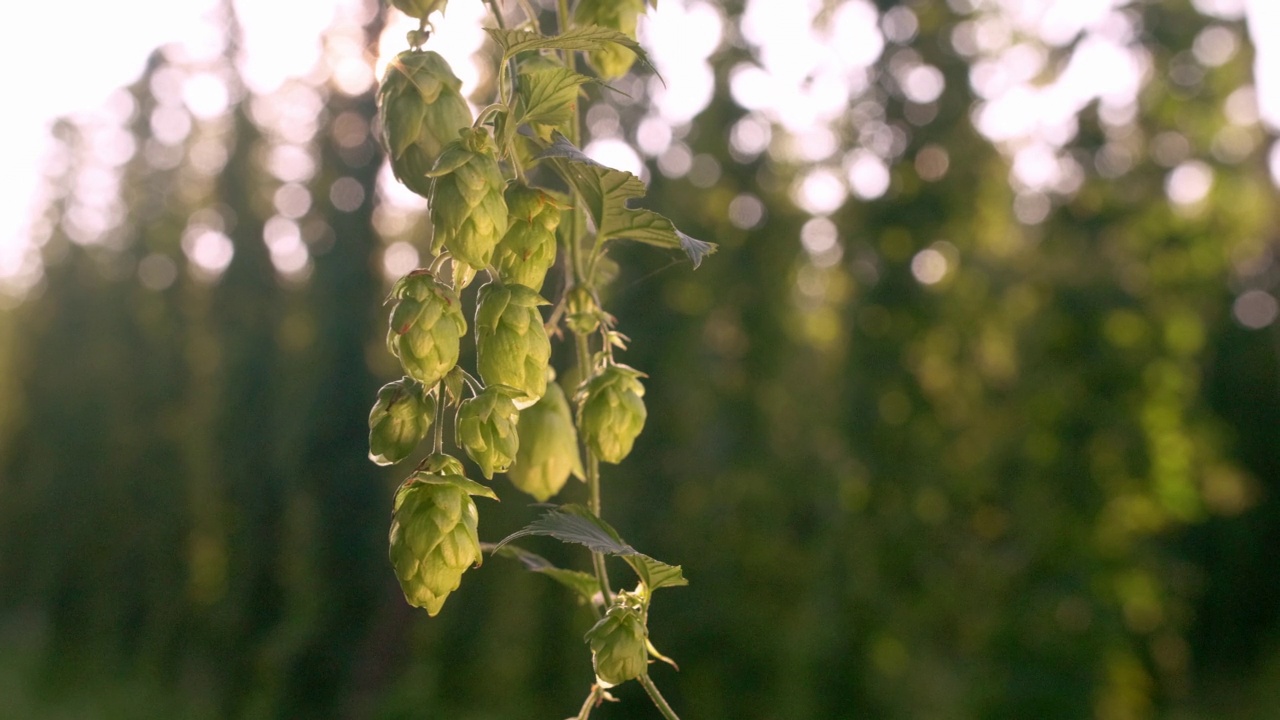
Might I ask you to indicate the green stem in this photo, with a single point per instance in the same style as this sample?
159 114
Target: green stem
592 700
440 403
593 473
657 698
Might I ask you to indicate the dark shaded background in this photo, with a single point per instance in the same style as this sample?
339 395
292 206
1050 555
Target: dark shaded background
1044 487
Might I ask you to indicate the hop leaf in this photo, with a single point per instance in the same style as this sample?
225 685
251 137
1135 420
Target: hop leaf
548 93
611 412
399 420
420 111
548 451
511 345
617 641
612 60
528 249
433 532
468 213
426 327
487 429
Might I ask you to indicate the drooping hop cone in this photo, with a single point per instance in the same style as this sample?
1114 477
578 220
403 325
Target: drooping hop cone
433 532
548 451
426 327
399 420
611 411
528 249
512 348
618 649
419 8
613 61
487 429
420 110
468 212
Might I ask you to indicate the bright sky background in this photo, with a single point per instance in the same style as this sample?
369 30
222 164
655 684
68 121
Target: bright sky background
66 58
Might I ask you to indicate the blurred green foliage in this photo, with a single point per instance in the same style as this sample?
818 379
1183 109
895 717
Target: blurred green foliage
1043 485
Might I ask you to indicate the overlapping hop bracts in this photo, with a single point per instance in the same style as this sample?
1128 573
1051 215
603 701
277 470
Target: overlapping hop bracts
426 327
611 411
419 8
468 212
512 348
399 420
487 429
420 110
618 644
613 61
433 532
548 451
528 249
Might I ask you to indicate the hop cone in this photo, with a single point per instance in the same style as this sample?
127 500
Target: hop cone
612 61
528 250
511 345
486 429
420 111
618 645
419 8
611 412
433 532
399 420
426 326
548 447
468 213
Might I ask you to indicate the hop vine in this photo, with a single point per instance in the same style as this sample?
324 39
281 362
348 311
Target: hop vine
510 195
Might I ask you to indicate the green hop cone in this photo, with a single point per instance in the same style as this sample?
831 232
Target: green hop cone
618 650
420 111
611 412
419 8
399 420
487 429
426 327
511 345
582 313
612 61
433 532
548 447
528 249
468 213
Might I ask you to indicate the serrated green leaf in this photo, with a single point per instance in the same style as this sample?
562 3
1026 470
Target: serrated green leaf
655 573
584 585
575 524
586 38
605 192
543 92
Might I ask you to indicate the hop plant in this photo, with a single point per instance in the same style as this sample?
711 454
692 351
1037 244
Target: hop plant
548 451
468 213
511 345
399 420
611 411
426 327
528 249
486 429
617 640
612 61
420 109
433 532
